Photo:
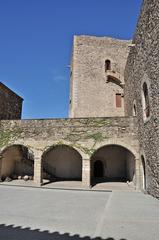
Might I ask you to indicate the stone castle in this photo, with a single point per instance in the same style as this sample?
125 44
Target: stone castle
112 133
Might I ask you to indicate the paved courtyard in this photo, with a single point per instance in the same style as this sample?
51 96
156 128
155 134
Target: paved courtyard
74 185
48 214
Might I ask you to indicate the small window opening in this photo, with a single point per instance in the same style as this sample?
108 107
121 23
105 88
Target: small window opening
146 105
143 171
107 65
134 110
118 100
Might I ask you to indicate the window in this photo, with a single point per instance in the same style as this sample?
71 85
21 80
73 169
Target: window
134 110
118 100
146 105
107 65
143 171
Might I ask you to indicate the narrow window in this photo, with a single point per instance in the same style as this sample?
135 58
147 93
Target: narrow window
143 172
107 65
134 110
146 105
118 100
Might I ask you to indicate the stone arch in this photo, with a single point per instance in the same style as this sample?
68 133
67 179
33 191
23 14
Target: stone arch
118 163
17 160
134 149
76 147
61 162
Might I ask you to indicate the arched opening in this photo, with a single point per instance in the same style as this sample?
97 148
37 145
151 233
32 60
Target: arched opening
112 163
146 104
107 65
17 163
143 172
98 169
61 163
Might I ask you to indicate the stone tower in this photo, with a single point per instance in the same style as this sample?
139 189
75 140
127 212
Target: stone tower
97 76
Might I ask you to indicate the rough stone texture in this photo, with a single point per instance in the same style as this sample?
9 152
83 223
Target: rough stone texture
93 90
62 162
84 135
10 103
143 66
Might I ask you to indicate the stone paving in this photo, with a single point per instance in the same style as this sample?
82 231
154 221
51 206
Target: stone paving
46 214
104 186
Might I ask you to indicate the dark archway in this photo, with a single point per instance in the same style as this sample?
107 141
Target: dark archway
62 162
98 169
114 163
16 162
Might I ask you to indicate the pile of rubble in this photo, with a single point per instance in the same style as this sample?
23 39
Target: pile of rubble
15 177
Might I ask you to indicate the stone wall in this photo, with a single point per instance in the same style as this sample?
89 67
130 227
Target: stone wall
143 67
10 103
93 89
84 135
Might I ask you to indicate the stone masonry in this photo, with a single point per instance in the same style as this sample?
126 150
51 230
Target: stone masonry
84 135
10 103
114 107
93 88
143 68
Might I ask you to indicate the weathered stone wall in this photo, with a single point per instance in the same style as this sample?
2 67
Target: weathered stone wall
10 104
93 90
84 135
143 66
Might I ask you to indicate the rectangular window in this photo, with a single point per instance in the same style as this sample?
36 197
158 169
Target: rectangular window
118 100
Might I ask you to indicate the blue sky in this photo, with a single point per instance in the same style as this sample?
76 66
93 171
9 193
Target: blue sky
36 41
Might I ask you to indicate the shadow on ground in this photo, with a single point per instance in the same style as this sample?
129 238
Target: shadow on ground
11 232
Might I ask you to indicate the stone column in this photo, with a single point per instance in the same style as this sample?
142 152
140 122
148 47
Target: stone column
86 173
38 170
1 157
138 175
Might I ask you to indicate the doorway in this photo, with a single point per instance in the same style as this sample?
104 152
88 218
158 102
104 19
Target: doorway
98 169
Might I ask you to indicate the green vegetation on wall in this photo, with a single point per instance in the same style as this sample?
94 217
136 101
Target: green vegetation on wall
8 137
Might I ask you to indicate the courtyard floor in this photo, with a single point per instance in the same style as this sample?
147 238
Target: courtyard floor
51 214
76 185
